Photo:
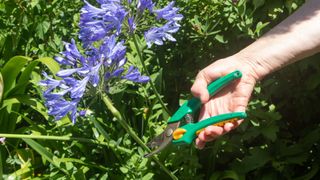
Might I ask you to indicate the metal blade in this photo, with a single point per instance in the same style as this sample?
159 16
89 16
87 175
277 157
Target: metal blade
162 140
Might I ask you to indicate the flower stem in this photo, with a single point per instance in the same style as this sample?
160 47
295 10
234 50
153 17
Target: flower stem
132 133
153 87
65 138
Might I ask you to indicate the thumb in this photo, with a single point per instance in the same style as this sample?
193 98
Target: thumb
199 87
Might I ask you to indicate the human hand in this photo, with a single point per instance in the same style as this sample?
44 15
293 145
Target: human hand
232 98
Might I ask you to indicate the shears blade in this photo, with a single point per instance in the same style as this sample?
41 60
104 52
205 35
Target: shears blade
162 140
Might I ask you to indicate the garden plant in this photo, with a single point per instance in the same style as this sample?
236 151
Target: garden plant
84 85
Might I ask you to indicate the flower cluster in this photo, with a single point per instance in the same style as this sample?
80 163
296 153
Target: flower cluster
97 23
104 53
159 34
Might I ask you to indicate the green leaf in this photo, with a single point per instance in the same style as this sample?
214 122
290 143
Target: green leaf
42 28
11 70
258 158
34 126
229 175
52 65
27 100
33 3
270 131
100 129
79 175
124 170
220 38
43 152
23 172
79 161
25 76
259 27
148 176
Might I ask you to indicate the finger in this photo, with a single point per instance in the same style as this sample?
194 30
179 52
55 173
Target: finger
213 131
199 89
202 136
228 127
204 77
200 144
210 133
237 123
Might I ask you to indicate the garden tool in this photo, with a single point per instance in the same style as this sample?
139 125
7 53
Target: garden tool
179 133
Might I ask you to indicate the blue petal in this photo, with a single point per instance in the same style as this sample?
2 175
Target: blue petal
77 91
66 72
117 72
134 75
145 4
169 13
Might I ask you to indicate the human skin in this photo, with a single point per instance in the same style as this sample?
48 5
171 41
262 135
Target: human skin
295 38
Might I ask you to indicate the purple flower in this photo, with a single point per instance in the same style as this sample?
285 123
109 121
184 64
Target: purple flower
132 25
92 31
106 58
62 96
145 4
78 90
96 23
82 113
62 107
159 34
114 52
108 1
50 83
134 75
168 13
71 54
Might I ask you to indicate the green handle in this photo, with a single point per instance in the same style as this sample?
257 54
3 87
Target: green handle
194 104
192 128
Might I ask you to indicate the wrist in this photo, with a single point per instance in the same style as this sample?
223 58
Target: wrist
253 65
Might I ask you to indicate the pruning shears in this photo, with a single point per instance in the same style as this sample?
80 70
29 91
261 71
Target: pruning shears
185 134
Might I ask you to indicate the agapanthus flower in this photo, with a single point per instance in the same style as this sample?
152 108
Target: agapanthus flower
104 56
134 75
83 71
108 1
57 105
132 25
159 34
145 4
96 23
168 13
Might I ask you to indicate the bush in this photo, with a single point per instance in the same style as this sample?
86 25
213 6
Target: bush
279 139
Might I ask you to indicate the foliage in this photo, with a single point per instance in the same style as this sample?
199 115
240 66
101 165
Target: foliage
36 28
279 140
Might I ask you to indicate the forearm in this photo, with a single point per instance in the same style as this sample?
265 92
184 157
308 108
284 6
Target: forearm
296 37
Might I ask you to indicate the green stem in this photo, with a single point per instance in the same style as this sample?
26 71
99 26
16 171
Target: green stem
153 87
65 138
132 133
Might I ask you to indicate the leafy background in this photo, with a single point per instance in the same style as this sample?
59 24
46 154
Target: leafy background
279 140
